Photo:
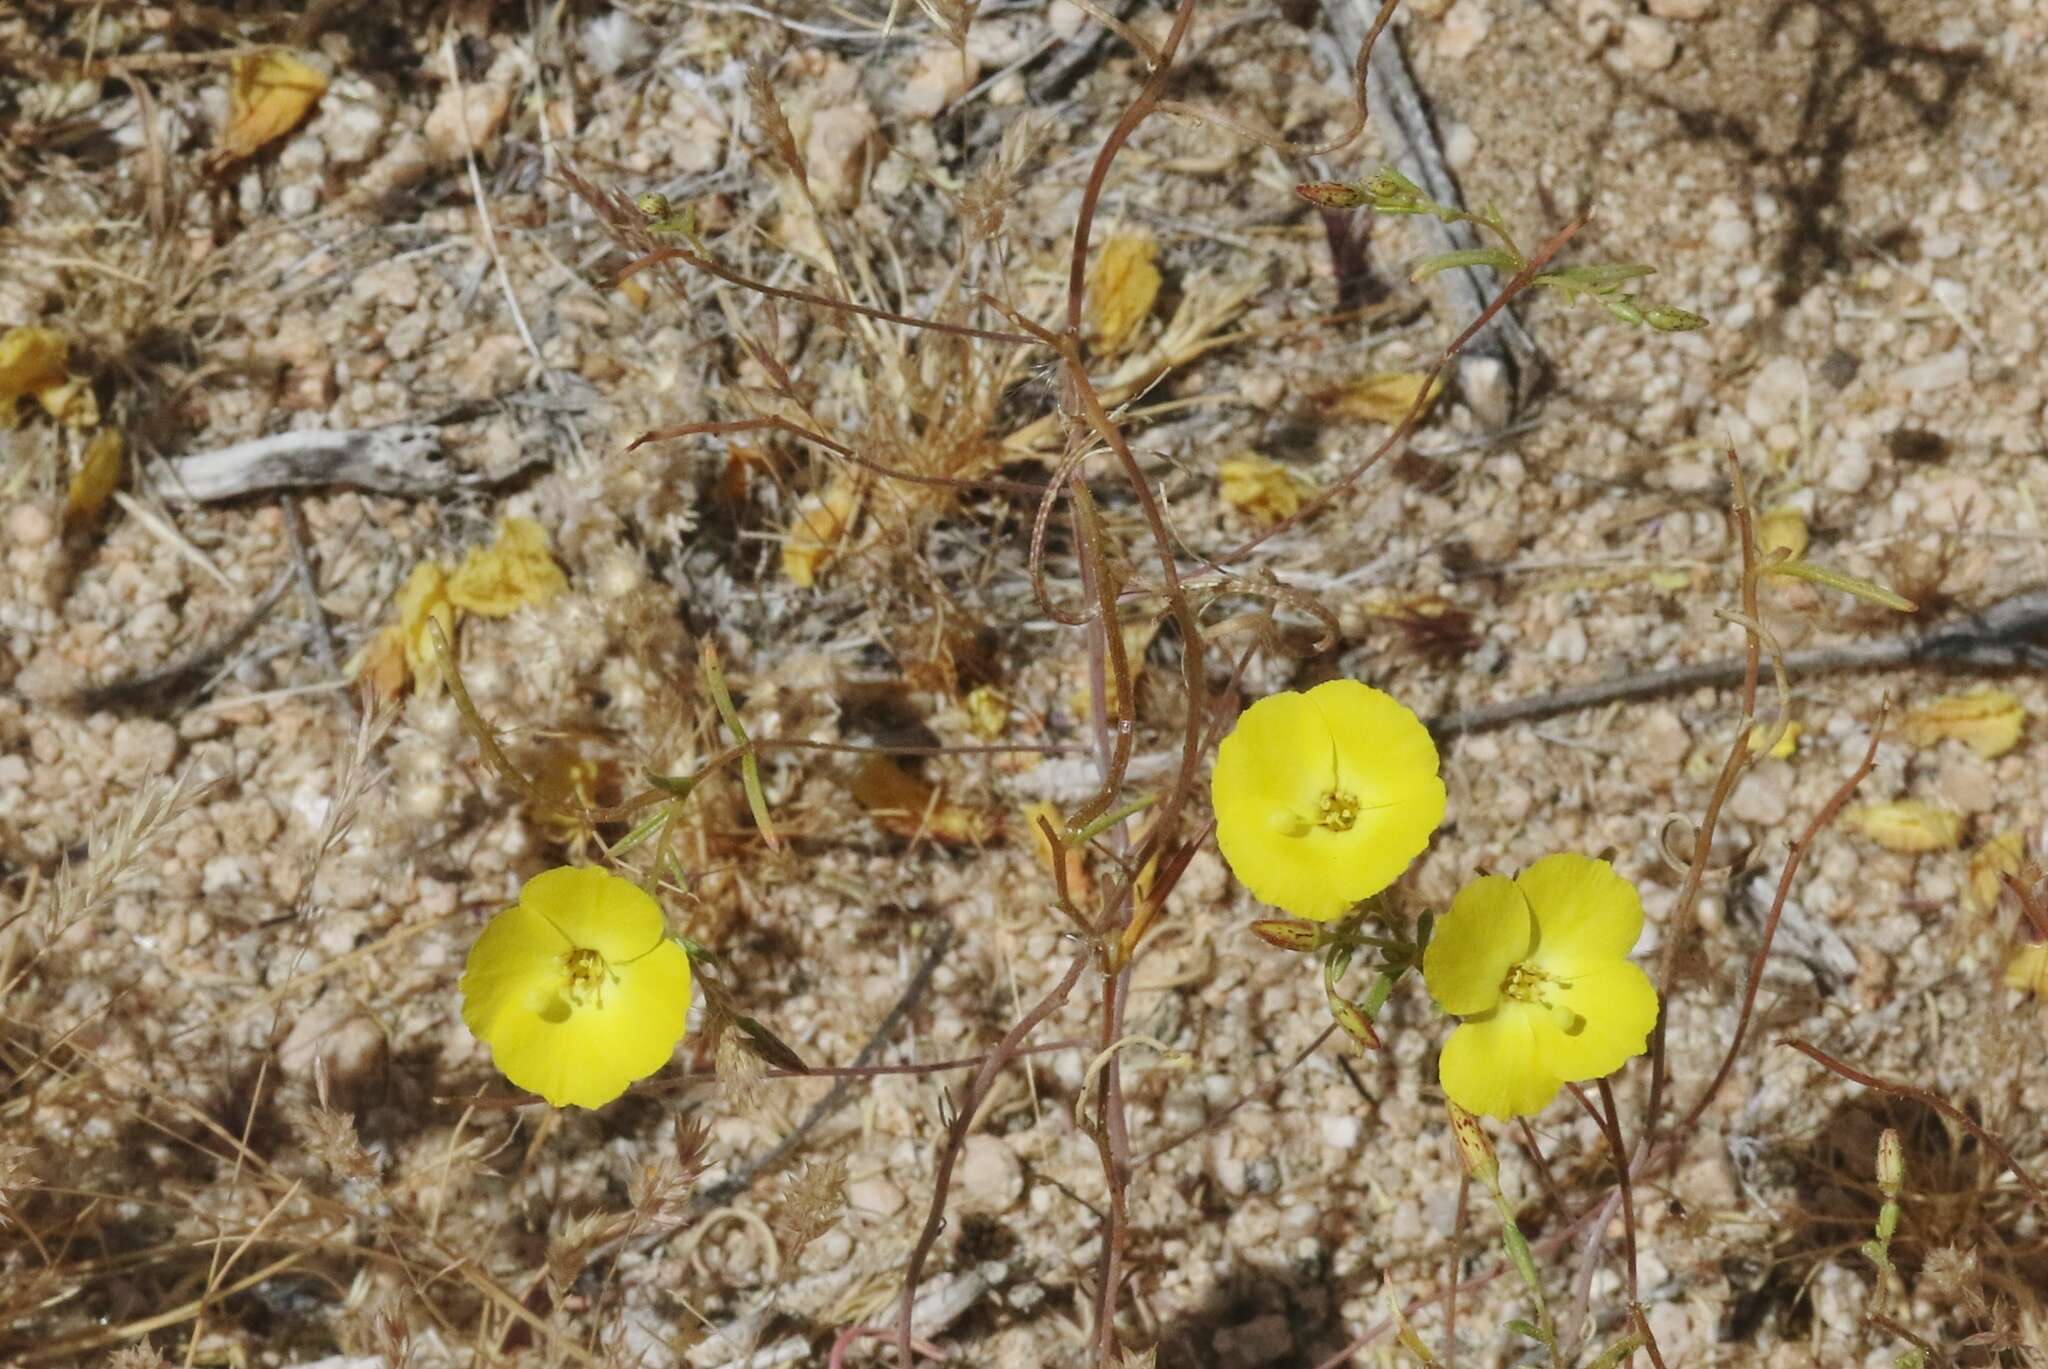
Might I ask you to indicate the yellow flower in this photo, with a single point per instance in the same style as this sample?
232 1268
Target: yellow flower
1324 798
577 988
1538 968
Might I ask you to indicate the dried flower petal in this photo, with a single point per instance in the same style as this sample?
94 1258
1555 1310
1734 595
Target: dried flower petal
1988 721
513 572
1122 289
1910 826
1990 863
1385 397
97 479
1261 488
268 94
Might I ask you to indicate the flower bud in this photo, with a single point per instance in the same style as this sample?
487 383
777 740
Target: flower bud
1331 194
1288 934
1475 1152
1355 1023
1891 1164
1668 320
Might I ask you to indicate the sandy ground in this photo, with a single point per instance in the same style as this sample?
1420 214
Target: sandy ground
1851 192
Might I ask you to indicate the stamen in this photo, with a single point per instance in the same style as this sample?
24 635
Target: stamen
584 972
1338 810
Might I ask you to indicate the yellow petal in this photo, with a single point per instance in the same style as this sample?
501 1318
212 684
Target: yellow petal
821 524
1782 529
31 360
71 402
1608 1016
514 571
1121 289
1261 489
514 969
1910 826
268 94
1988 721
1486 930
598 911
1385 397
1386 756
1587 916
1275 763
988 711
1490 1065
423 599
2027 971
1990 863
97 479
1786 744
1272 772
585 1056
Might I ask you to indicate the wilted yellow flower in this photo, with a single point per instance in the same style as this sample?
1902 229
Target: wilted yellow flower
822 522
1910 826
268 94
1121 289
1990 863
1384 397
1988 721
99 475
1783 747
1324 798
1261 488
2027 971
514 571
577 989
988 711
1782 529
32 363
1538 967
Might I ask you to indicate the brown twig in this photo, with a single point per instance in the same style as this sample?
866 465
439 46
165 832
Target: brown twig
1931 1100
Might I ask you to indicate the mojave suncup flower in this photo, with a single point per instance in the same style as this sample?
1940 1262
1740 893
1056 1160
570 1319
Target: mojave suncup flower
578 989
1538 968
1323 798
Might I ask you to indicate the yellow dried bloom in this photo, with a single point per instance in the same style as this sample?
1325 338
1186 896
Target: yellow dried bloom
1988 721
577 989
97 479
988 711
32 364
268 94
514 571
2027 971
1910 826
1261 488
1538 968
822 522
1990 863
1122 289
423 599
1782 529
1385 397
1324 798
1783 747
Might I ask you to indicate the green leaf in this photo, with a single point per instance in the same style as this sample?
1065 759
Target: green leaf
1496 257
1848 584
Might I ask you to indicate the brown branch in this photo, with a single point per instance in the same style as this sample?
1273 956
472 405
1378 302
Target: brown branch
1926 1099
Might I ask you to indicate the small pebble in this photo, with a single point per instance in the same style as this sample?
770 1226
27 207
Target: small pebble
1686 10
838 149
30 525
1849 469
990 1177
1939 372
1464 28
1648 44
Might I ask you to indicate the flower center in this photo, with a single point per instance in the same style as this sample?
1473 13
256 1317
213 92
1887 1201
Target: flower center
584 974
1527 984
1337 810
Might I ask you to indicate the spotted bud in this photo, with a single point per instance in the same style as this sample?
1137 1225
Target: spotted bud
1288 934
1475 1152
